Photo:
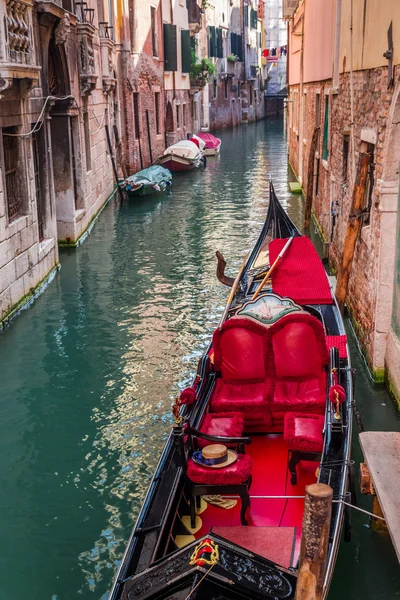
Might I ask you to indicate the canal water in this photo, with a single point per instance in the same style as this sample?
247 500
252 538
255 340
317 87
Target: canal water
88 373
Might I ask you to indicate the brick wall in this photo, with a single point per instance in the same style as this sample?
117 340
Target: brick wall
372 102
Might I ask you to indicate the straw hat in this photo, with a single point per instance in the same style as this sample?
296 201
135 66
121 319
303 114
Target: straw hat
215 456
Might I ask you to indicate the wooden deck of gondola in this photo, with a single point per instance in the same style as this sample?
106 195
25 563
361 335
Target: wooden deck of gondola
382 454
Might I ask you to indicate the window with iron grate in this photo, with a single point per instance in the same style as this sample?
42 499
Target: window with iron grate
13 185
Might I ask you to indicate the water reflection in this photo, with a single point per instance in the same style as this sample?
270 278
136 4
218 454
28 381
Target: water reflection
89 371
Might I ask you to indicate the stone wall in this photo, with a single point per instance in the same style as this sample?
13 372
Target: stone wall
369 306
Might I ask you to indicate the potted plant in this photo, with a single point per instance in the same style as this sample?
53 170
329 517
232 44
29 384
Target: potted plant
231 58
202 73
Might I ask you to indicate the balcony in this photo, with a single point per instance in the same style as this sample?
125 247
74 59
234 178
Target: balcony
289 8
194 16
253 72
17 49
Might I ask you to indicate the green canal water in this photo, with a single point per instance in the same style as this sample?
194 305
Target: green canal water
88 373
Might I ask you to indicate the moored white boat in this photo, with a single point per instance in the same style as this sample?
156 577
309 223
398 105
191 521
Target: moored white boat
182 156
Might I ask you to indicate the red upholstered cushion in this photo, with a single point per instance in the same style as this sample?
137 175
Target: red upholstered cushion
339 342
300 274
237 473
240 350
299 347
243 397
304 432
225 424
299 396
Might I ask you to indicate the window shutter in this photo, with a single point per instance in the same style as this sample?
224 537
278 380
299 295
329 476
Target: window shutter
246 14
212 42
233 44
170 50
220 50
186 51
239 43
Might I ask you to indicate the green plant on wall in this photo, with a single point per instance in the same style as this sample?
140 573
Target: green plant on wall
206 4
231 58
202 71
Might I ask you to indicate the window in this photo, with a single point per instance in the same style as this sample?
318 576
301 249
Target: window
226 89
220 48
157 111
253 18
87 139
346 142
215 88
136 115
184 114
255 96
251 94
325 141
305 116
177 116
318 116
12 159
246 14
38 151
186 51
369 185
170 48
154 37
212 41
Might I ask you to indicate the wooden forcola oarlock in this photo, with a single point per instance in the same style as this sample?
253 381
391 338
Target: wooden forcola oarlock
314 542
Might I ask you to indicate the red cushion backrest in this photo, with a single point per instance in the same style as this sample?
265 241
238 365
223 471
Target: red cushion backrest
240 348
299 347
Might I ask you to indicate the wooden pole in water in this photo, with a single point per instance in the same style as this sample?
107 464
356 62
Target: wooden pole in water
310 179
314 542
353 227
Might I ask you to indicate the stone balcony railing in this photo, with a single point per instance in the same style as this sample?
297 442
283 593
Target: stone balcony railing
17 52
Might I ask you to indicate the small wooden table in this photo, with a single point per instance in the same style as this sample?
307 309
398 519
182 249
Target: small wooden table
382 454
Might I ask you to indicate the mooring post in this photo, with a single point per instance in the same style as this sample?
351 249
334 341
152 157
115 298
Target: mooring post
314 542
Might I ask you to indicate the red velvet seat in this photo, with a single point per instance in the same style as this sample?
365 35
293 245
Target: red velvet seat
241 356
303 432
236 474
226 424
300 355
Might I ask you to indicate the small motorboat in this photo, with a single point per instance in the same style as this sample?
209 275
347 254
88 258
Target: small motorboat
276 379
154 180
212 144
182 156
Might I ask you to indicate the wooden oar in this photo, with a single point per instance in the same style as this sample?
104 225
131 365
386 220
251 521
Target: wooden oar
233 290
276 261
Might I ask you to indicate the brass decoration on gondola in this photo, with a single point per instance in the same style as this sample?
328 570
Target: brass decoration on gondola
205 553
176 409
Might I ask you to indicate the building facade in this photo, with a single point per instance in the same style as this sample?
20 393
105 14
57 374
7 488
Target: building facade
344 86
58 86
94 91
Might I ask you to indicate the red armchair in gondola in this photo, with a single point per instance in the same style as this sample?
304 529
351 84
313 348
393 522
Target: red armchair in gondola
300 357
303 434
234 479
241 353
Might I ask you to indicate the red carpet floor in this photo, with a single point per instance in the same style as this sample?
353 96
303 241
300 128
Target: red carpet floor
274 543
270 478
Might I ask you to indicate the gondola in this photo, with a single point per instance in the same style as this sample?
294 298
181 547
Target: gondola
268 413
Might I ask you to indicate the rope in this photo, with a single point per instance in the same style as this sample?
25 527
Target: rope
39 122
360 509
198 583
100 123
339 501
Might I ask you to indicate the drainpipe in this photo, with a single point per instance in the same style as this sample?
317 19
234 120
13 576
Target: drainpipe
301 103
171 14
244 43
337 44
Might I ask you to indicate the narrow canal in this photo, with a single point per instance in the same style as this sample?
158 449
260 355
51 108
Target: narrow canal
88 373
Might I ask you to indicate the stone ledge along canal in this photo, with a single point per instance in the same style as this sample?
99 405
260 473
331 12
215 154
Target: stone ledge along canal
88 373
